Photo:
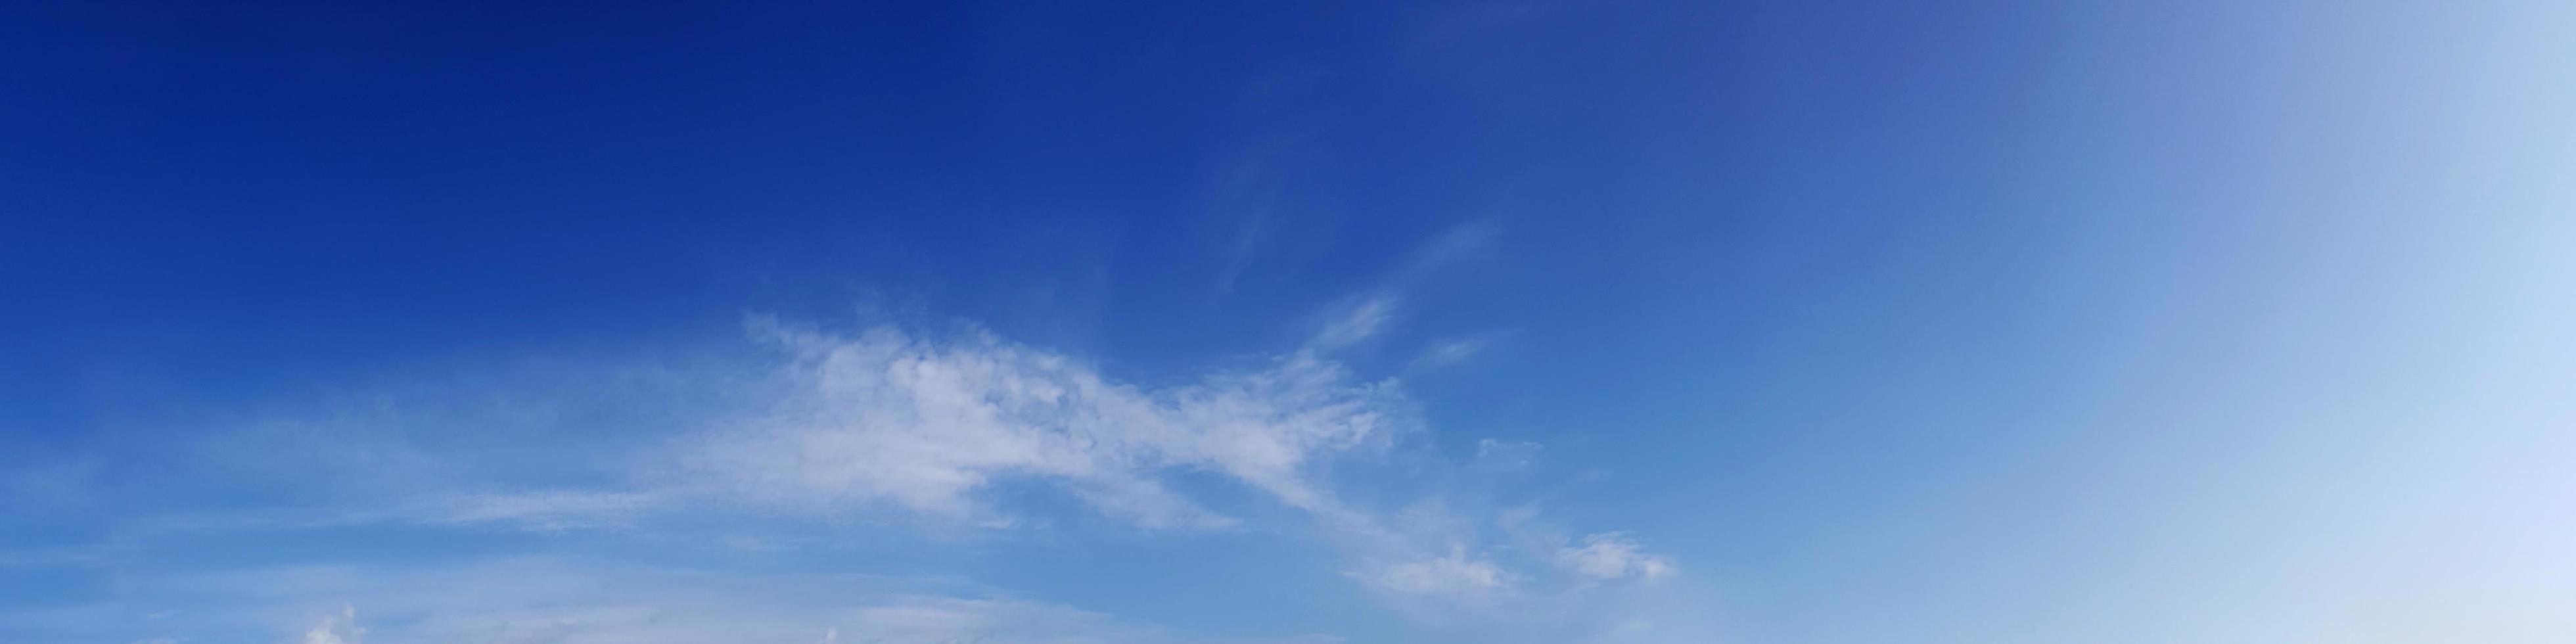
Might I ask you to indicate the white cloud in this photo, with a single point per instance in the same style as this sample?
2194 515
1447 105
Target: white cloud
889 420
884 418
546 511
952 428
1361 317
1460 243
1611 555
1450 352
1455 576
883 421
1353 322
556 601
337 629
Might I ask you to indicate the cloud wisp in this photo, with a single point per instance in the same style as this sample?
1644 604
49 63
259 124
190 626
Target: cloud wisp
1611 555
571 601
888 419
887 425
894 427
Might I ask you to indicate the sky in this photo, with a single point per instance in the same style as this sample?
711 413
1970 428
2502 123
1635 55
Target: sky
1492 321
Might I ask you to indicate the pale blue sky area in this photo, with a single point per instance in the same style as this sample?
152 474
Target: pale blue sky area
1619 321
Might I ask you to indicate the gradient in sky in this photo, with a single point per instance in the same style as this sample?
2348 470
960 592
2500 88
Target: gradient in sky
1517 322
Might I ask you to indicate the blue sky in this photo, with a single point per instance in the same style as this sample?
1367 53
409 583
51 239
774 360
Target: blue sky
1543 322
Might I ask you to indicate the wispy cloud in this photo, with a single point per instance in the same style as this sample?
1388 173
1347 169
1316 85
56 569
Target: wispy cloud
1245 208
1611 555
1363 316
897 427
1461 243
1453 351
557 601
886 419
1454 576
549 510
341 628
1359 320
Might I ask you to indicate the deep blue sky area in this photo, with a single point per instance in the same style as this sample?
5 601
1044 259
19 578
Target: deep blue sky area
254 194
1452 321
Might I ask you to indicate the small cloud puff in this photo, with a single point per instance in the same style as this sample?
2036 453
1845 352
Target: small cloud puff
337 629
1611 555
